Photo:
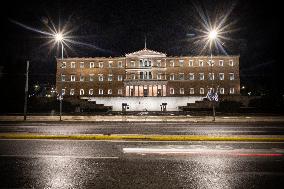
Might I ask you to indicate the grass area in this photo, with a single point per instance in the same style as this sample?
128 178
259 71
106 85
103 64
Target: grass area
140 137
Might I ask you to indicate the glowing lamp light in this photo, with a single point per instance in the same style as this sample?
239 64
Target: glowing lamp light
58 37
212 35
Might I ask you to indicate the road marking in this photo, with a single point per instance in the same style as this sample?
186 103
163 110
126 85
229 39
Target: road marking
60 156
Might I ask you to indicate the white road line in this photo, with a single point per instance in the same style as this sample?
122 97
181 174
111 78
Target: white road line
60 156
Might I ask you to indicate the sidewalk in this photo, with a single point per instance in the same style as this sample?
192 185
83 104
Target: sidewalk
146 118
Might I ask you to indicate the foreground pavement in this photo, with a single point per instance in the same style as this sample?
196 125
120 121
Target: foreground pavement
132 164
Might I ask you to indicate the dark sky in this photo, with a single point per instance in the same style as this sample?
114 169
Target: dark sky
118 27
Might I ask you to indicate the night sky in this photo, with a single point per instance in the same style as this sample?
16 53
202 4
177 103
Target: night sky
113 28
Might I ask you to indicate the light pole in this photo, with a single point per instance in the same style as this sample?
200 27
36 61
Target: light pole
212 36
59 39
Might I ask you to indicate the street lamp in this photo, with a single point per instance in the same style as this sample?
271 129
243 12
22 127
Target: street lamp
59 38
212 37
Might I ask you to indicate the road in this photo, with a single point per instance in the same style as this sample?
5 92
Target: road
134 164
143 128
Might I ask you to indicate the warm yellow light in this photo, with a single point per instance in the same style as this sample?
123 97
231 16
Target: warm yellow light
212 34
58 37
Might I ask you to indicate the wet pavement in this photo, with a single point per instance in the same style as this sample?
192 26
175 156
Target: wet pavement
133 164
144 128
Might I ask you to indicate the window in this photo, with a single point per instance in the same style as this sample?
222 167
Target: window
231 76
82 78
119 64
101 91
101 64
91 91
73 64
201 76
172 77
231 63
211 76
181 91
172 63
191 91
158 63
181 63
201 91
221 62
190 63
132 63
119 91
109 91
191 76
91 77
222 91
63 65
63 92
109 78
221 76
81 91
172 91
92 64
72 92
101 77
119 78
232 90
181 76
63 77
200 62
81 64
110 64
159 76
133 76
73 78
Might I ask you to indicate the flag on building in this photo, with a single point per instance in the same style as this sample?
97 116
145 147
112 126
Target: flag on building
211 96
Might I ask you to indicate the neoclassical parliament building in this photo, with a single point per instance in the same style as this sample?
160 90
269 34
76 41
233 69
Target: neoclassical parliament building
147 79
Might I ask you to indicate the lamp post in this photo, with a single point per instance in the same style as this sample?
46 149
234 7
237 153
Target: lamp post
59 39
212 36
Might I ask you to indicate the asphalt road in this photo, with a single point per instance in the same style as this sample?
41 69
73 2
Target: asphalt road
122 164
143 128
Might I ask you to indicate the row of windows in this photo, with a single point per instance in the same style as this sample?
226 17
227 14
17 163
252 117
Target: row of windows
119 91
148 75
146 63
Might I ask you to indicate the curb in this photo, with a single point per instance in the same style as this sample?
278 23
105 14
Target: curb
141 137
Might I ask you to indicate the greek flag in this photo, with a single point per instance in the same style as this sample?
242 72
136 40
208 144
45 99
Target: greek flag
211 96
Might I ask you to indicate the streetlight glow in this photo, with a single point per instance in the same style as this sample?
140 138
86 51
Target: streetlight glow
58 37
212 34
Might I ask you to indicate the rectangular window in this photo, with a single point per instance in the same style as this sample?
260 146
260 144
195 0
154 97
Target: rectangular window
110 64
159 76
119 78
82 78
221 76
91 77
72 91
172 91
221 62
200 63
181 76
73 78
181 63
119 64
91 91
73 65
119 91
109 91
211 76
132 63
191 91
101 77
101 64
101 91
158 63
201 91
92 64
231 63
109 77
201 76
231 76
222 91
232 90
181 91
191 76
63 77
81 64
190 64
172 77
63 92
172 63
82 92
63 65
